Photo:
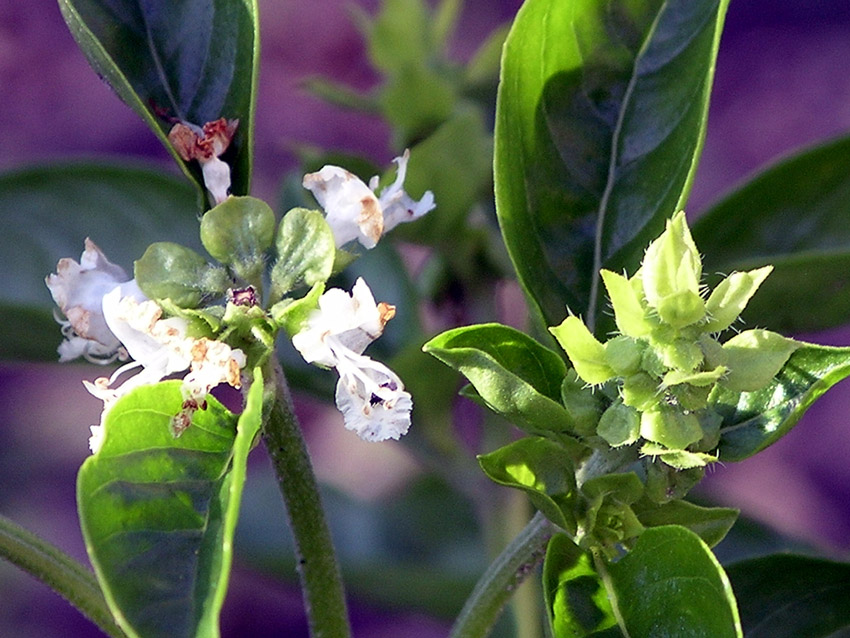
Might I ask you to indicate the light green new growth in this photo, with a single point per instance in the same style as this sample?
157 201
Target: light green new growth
668 358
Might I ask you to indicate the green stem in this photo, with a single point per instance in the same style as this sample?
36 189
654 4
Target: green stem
321 583
485 603
60 572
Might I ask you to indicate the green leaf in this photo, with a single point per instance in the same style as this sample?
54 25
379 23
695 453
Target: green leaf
670 584
305 252
541 468
576 599
239 231
754 420
193 60
788 596
709 523
600 120
158 513
171 271
517 377
399 36
122 209
795 215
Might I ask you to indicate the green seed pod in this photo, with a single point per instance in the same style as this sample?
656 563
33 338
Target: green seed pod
238 232
171 271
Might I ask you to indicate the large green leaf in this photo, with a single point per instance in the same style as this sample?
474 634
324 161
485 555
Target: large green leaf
754 420
796 216
158 513
576 600
600 120
670 585
47 212
788 596
516 376
191 60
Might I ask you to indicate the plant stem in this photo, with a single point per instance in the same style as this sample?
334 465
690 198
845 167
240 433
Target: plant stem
60 572
321 583
495 587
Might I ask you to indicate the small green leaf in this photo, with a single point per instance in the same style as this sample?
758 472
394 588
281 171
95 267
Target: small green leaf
586 353
171 271
795 216
599 124
709 523
517 377
194 60
754 420
542 469
671 584
158 513
416 100
238 232
292 314
787 596
305 252
576 600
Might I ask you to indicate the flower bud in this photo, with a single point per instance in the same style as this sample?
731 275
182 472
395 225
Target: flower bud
584 350
731 296
671 428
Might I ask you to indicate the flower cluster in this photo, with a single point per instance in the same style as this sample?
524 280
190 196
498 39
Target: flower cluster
370 396
353 209
667 359
109 317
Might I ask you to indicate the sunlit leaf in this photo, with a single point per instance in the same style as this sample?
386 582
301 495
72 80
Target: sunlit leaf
600 120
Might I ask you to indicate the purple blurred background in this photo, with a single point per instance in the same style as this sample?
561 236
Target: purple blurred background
780 84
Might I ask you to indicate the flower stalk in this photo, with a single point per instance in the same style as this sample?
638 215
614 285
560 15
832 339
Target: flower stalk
321 582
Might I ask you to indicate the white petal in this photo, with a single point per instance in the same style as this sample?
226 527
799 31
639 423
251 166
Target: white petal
352 210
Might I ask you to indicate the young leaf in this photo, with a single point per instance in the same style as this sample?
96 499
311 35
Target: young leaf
305 252
786 596
576 600
541 468
600 119
121 209
191 60
517 377
795 216
754 420
158 513
709 523
671 584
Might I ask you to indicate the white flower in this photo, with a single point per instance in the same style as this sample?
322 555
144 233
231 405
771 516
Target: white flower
78 290
206 145
370 396
355 212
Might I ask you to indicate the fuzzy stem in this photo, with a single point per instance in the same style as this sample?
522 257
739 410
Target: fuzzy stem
321 583
60 572
496 586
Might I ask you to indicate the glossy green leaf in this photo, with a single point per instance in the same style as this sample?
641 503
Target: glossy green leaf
517 377
121 209
754 420
158 513
576 599
788 596
709 523
305 252
796 216
600 120
541 468
670 585
191 60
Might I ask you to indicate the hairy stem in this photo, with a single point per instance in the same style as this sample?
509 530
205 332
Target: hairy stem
498 583
321 583
60 572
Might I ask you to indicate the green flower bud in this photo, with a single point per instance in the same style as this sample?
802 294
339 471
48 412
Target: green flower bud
640 391
671 428
671 267
584 350
172 271
681 354
681 309
665 483
731 296
629 308
691 397
754 357
238 232
582 406
619 425
624 355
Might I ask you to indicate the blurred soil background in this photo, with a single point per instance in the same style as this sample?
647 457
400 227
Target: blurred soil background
781 83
